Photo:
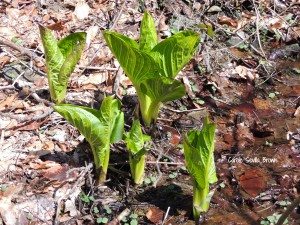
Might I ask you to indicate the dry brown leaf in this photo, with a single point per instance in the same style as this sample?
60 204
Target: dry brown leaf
245 72
9 101
155 215
4 59
262 104
58 26
228 21
39 164
56 172
48 145
253 181
95 78
33 125
175 135
244 136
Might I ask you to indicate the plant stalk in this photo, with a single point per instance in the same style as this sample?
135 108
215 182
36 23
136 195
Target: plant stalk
101 171
149 109
137 168
200 201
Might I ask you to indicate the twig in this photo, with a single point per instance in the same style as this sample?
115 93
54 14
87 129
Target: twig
166 216
33 68
25 119
157 166
150 162
257 30
1 139
269 77
21 49
118 16
183 111
12 86
117 81
165 163
120 217
40 100
7 87
288 211
35 117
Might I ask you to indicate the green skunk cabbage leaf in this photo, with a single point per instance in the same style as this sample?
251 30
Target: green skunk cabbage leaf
67 44
61 58
137 65
135 139
148 35
159 90
97 126
199 158
173 53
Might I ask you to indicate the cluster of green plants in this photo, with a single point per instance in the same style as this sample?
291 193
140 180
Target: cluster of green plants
152 67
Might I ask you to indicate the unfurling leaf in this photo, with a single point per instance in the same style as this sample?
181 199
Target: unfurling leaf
100 127
135 142
199 159
152 66
61 59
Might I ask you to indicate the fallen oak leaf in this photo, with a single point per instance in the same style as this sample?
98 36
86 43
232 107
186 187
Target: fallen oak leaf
155 215
59 173
253 181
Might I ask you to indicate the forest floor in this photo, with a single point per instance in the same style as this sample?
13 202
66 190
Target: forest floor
245 75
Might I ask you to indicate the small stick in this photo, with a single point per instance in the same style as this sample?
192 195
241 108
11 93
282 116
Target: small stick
150 162
257 30
183 111
166 216
120 217
288 211
21 49
117 81
165 163
118 16
12 86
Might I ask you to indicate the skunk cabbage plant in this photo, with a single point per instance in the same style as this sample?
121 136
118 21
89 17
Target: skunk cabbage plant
100 128
152 66
135 142
199 158
61 58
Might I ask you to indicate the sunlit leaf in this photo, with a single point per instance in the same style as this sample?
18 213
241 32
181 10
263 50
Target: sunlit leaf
161 91
137 65
97 126
198 152
173 53
148 35
61 58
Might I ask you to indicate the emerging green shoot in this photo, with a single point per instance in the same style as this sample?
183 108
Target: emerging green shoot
100 128
61 58
152 66
199 159
135 142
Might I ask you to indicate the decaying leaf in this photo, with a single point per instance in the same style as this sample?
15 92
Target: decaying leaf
228 21
253 181
155 215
